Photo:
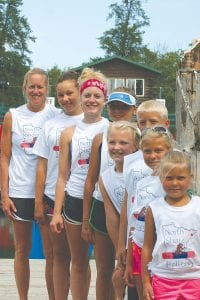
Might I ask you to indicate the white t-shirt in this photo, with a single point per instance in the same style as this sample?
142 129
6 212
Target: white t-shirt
26 127
134 170
106 162
80 155
148 189
176 253
114 185
47 146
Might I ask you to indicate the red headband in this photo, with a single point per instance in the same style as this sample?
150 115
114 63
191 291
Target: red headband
94 83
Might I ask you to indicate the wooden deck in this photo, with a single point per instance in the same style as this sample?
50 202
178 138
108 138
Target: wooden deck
8 290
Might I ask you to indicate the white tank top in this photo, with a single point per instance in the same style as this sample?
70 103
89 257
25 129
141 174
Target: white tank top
148 189
80 154
26 126
106 162
176 253
114 185
47 146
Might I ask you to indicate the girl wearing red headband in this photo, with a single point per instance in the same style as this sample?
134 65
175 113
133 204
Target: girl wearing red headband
75 147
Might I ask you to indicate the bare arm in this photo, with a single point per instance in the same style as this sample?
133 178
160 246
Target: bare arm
6 148
121 251
147 249
112 216
63 175
39 189
128 274
91 180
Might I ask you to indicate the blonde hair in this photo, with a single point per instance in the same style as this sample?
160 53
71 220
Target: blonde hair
150 134
90 73
171 160
153 106
33 72
125 126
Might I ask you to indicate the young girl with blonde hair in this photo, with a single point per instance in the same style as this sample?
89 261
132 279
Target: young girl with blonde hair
122 138
155 143
170 255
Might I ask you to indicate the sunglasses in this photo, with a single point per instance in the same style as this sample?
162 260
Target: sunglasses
158 129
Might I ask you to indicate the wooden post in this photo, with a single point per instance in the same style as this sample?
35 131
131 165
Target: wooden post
188 118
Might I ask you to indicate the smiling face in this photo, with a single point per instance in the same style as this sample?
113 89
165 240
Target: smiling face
176 182
120 143
68 97
35 91
153 150
92 101
120 111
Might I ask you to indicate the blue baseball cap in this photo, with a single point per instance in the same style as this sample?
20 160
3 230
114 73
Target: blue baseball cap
122 97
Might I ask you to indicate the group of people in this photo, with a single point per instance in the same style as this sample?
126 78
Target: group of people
119 185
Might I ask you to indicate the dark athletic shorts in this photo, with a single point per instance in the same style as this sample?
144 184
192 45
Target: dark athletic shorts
48 206
98 217
73 210
25 208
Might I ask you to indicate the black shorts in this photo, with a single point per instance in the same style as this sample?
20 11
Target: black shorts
98 217
25 208
73 210
48 206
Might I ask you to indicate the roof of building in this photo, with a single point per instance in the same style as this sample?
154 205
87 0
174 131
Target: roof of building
100 61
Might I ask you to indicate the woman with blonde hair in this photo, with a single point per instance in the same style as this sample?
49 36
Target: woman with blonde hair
75 147
21 128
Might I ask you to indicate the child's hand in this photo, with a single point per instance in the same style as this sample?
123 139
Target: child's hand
148 291
128 276
121 256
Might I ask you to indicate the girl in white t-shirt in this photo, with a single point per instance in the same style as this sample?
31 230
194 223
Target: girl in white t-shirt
155 143
170 254
122 138
75 148
56 248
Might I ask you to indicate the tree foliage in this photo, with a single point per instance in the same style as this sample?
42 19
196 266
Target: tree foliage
15 33
53 74
125 39
168 63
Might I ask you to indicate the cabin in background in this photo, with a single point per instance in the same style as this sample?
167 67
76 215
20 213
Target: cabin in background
121 71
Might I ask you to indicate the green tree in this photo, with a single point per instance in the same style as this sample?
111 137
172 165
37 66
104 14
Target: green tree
125 39
15 33
168 63
53 74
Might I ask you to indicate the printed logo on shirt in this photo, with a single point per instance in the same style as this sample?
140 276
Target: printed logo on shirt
84 152
119 194
56 147
177 240
30 134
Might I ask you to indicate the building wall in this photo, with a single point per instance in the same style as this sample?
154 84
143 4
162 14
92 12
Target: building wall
116 68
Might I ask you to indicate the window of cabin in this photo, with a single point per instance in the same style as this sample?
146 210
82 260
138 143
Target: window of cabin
137 85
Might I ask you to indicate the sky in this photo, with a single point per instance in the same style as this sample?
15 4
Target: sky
67 31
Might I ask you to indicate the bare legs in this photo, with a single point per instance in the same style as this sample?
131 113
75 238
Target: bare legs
22 233
80 272
48 253
58 258
105 261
